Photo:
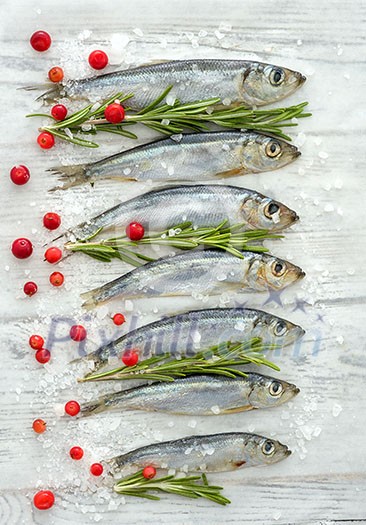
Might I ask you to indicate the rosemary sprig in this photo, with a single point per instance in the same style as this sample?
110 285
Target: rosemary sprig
172 119
217 360
189 487
182 236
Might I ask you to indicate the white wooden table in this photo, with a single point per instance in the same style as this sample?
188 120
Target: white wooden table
324 481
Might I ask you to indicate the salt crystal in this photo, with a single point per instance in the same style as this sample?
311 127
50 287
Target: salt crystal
226 147
170 170
299 42
339 51
317 431
219 35
195 43
138 31
127 171
347 76
351 271
301 138
68 133
276 515
226 101
340 339
338 184
215 409
165 122
188 451
196 336
336 410
323 154
102 312
221 277
192 423
177 138
7 268
329 207
306 430
128 305
202 33
170 99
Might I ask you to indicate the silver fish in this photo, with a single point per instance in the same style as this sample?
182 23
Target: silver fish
195 156
203 205
233 81
202 272
212 453
204 395
192 331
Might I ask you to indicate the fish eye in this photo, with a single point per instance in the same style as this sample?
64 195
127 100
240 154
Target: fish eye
280 328
268 447
278 268
271 209
277 76
275 388
273 148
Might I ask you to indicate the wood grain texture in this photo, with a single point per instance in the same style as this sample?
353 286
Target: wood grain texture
324 481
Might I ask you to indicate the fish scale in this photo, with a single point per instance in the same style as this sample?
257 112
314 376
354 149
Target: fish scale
233 81
199 272
190 332
198 395
195 156
211 453
204 205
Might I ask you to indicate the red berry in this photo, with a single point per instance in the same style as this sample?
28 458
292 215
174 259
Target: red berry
57 279
30 288
53 255
114 113
149 472
59 112
40 41
43 356
46 140
19 175
77 332
51 221
44 499
135 231
98 59
76 453
72 408
96 469
39 426
36 342
118 319
22 248
130 358
56 74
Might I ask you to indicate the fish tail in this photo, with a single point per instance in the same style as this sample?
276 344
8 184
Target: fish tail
51 95
92 356
90 299
73 175
93 407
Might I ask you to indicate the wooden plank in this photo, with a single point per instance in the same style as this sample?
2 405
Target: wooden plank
324 480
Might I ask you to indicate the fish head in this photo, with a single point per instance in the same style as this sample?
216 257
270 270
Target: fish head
265 153
273 273
264 213
282 332
265 83
264 451
270 392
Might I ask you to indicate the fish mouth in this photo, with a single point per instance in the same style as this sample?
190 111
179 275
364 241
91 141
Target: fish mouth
297 153
287 452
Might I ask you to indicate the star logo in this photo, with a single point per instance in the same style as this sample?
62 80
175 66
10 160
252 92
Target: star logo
300 305
274 296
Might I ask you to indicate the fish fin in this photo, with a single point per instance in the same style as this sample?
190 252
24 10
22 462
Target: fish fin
231 173
237 409
73 175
